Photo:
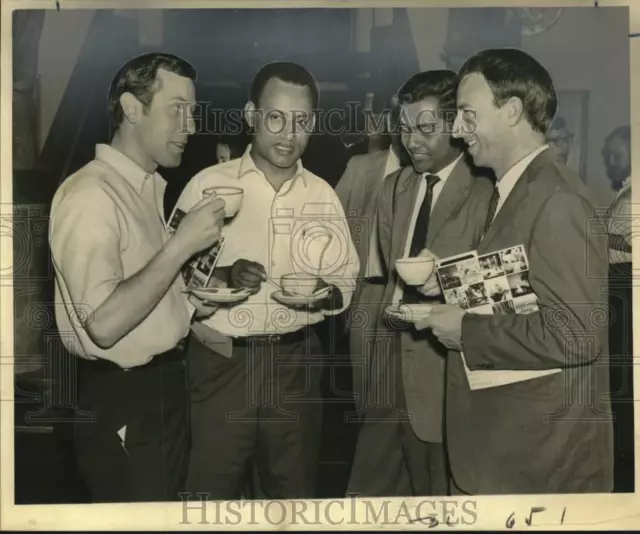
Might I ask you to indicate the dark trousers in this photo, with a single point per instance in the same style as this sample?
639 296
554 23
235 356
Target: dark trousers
390 460
149 405
259 409
621 374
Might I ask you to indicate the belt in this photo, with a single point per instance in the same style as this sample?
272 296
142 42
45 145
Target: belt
176 354
291 337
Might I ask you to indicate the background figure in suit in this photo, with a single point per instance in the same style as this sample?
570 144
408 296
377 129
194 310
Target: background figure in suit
358 191
559 137
552 433
617 159
400 446
230 147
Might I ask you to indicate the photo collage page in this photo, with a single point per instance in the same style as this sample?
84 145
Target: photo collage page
495 283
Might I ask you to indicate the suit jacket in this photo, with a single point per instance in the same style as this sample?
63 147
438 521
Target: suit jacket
455 226
550 434
358 190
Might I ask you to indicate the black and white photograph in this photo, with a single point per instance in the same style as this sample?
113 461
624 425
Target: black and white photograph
519 284
458 296
514 260
175 221
477 295
497 136
470 272
491 266
503 307
498 289
450 277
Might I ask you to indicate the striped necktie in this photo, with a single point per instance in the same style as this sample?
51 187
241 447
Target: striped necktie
493 206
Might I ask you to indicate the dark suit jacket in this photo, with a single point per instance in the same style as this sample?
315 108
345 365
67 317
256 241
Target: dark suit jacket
549 434
455 226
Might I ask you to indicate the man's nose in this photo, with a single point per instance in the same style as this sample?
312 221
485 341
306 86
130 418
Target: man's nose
412 140
458 128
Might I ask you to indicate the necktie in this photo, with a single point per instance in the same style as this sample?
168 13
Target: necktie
493 206
419 240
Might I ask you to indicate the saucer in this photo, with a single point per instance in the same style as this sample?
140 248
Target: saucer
409 312
220 295
295 299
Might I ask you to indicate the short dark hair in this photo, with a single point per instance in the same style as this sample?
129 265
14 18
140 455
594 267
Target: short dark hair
442 84
287 72
510 72
237 144
621 132
139 77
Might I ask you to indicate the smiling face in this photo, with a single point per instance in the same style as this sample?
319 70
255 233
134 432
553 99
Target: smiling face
480 123
283 121
425 135
163 128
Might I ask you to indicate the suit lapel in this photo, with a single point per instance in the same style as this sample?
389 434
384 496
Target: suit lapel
372 183
454 193
518 194
405 203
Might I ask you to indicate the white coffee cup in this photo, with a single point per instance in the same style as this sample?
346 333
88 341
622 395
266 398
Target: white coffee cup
299 283
232 197
415 271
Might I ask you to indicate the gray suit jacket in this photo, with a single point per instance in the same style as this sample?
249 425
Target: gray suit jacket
358 190
455 226
550 434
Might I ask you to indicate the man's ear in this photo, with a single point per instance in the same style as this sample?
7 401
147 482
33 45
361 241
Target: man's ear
131 107
250 114
515 110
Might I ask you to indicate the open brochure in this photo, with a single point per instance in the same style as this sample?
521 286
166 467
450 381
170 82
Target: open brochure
197 272
494 283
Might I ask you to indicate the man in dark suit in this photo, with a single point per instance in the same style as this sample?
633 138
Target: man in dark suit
438 203
552 433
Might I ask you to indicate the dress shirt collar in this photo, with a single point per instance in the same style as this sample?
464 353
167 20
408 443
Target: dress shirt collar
129 169
509 180
445 172
247 164
626 184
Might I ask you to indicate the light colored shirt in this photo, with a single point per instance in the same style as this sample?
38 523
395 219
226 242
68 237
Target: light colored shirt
621 221
285 231
437 189
510 179
374 262
105 226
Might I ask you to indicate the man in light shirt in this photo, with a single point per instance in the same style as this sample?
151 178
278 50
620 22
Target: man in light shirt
255 366
119 304
551 433
438 203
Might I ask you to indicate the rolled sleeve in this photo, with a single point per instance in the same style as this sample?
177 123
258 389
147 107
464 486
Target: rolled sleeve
85 245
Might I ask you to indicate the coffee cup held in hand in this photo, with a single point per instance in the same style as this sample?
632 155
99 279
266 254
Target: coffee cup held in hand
299 283
232 197
415 271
